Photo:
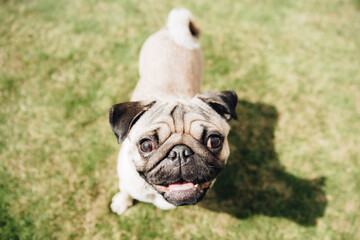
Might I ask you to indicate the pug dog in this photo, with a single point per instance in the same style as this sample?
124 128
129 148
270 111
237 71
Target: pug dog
174 139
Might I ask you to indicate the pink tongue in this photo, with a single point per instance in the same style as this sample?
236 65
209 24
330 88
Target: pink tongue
181 186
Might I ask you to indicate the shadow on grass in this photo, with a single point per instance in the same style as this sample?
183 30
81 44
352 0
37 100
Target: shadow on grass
255 182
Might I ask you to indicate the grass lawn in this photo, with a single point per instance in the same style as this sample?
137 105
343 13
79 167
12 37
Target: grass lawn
294 167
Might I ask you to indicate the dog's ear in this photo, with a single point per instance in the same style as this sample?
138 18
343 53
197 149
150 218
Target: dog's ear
123 116
224 103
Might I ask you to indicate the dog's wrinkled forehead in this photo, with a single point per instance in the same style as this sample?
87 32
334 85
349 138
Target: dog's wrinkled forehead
190 117
209 111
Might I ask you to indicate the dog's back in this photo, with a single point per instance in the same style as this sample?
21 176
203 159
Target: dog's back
171 61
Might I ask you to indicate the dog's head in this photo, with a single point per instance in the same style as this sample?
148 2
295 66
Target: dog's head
177 147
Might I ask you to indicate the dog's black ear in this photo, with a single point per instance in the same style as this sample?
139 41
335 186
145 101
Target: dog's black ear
123 116
224 103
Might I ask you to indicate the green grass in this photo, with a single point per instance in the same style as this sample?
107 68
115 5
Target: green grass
294 167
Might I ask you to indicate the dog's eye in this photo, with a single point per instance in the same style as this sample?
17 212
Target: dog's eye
214 141
147 145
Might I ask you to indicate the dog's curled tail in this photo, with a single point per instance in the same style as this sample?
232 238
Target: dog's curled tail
183 29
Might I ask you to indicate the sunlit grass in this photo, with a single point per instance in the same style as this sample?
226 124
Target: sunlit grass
293 171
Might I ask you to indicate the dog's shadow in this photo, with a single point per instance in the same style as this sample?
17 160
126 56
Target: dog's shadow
255 182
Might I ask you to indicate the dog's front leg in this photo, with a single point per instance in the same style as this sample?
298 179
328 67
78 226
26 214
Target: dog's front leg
120 202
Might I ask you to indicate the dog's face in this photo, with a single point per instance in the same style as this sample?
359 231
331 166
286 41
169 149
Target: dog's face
177 147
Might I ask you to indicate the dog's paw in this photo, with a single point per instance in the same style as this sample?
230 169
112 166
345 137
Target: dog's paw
120 202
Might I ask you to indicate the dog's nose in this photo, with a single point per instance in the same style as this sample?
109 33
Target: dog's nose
180 154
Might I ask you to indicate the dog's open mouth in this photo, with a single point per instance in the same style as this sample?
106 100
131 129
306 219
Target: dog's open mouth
183 193
182 186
